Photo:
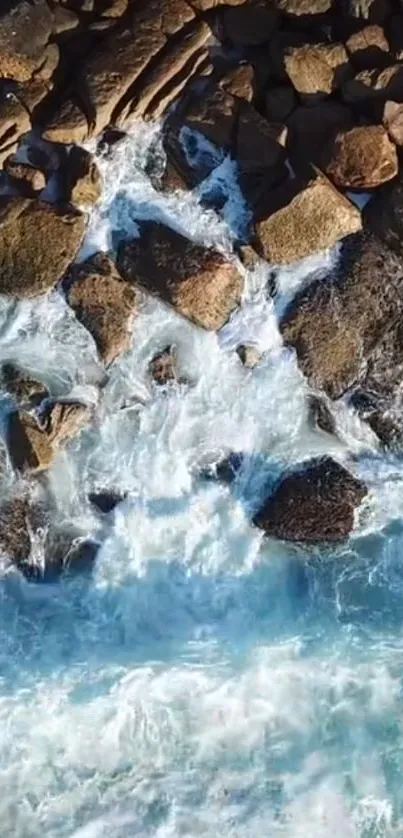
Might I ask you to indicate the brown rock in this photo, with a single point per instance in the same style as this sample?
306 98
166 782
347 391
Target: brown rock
104 303
68 125
215 116
314 504
26 390
249 355
259 144
300 8
375 11
320 415
64 420
116 8
312 129
384 214
375 86
64 20
239 82
335 324
199 282
250 24
30 449
26 177
315 219
368 48
317 70
25 29
14 122
362 158
393 121
279 102
205 5
83 178
38 242
163 368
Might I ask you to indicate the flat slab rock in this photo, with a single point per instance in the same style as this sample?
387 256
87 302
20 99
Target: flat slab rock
38 242
197 281
313 505
362 158
33 443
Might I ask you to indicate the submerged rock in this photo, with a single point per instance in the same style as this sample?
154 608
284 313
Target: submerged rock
320 415
313 504
30 449
106 500
249 355
163 368
21 386
197 281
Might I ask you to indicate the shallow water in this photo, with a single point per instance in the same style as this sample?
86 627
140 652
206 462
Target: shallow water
203 682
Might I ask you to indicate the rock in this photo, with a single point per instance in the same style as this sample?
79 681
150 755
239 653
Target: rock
22 387
64 20
239 82
279 102
315 219
251 24
372 87
249 355
313 504
19 517
64 420
38 241
163 367
317 70
30 449
205 5
106 500
320 415
215 116
83 178
28 179
21 56
351 296
362 158
375 11
68 124
115 8
384 214
368 48
259 144
67 551
249 257
104 303
197 281
393 122
300 8
312 129
14 122
225 470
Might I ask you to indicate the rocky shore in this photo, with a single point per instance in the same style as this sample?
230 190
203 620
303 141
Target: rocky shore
306 97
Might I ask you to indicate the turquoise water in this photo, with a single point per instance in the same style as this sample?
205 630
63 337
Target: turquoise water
203 682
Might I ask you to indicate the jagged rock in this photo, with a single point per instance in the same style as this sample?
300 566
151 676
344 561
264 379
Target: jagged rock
259 144
28 179
197 281
313 504
68 125
21 386
116 8
105 500
64 420
83 178
214 115
362 158
38 241
300 8
384 214
14 122
249 355
374 11
320 415
104 303
371 87
312 129
393 121
25 29
335 323
248 256
368 48
251 24
239 82
163 367
315 219
317 70
279 102
30 449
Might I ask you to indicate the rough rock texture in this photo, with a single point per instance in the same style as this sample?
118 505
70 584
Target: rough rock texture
104 303
319 414
362 158
30 449
21 386
64 420
374 11
368 48
335 323
312 129
38 241
250 24
239 82
19 516
83 178
214 115
300 8
315 219
163 367
25 29
384 214
26 178
199 282
314 504
375 86
316 70
393 122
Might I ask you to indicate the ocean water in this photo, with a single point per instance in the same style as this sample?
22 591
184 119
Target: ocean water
203 681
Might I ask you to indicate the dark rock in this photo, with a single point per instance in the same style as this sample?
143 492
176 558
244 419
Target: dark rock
163 366
280 101
30 449
110 138
312 129
374 87
225 470
393 122
21 386
320 415
197 281
249 355
251 24
374 11
25 29
68 552
317 70
104 303
215 116
384 214
83 180
239 82
335 323
105 500
362 158
314 504
368 48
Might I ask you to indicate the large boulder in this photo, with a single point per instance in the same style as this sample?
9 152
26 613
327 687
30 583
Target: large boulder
368 48
83 179
371 88
315 219
25 29
317 70
362 158
336 323
38 241
104 303
197 281
313 504
311 130
250 24
393 122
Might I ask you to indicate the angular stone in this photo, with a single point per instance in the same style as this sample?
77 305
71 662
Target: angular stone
163 368
30 449
83 178
317 70
315 219
393 121
38 242
320 415
105 500
197 281
251 24
384 214
313 504
335 323
312 129
300 8
362 158
21 386
375 11
258 144
14 122
215 116
25 29
239 82
368 48
28 179
68 125
104 303
375 86
64 420
249 355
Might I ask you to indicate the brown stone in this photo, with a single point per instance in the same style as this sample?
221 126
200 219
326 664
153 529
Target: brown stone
375 86
64 420
239 82
362 158
68 125
116 8
83 178
313 504
251 24
163 367
104 303
64 19
300 8
25 29
335 323
30 449
312 129
320 415
197 281
38 242
368 48
317 70
26 177
24 388
14 122
315 219
259 144
205 5
393 121
375 11
384 214
279 102
215 116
